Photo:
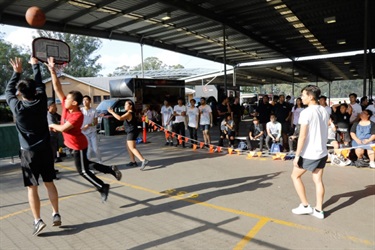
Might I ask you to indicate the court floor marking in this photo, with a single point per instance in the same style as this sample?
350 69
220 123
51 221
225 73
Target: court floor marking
263 220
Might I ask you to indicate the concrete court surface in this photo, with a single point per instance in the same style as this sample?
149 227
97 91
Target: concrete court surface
190 199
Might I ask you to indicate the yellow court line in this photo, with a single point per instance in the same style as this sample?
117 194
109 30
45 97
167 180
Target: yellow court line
220 208
251 234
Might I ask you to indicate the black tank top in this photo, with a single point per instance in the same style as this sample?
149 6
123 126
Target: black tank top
131 126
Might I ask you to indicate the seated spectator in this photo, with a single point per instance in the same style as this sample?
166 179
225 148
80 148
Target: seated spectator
228 130
292 140
332 134
363 135
256 135
341 119
273 132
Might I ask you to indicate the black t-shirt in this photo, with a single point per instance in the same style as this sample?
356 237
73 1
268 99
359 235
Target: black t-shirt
236 109
264 110
281 111
223 109
255 130
342 121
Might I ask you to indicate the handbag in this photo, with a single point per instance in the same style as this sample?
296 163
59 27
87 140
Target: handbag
275 147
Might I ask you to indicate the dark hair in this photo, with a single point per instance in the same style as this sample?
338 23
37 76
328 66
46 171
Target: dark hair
353 94
324 97
88 97
363 98
312 90
296 106
193 100
27 88
344 104
369 112
131 103
77 96
203 98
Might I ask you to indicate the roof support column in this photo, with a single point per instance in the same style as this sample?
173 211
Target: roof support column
365 47
225 59
143 70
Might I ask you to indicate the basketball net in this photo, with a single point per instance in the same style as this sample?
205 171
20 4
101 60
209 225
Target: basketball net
59 68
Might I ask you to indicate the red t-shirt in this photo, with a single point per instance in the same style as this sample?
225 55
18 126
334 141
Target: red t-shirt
73 138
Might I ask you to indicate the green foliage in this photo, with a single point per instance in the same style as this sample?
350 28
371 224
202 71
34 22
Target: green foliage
8 51
83 63
150 63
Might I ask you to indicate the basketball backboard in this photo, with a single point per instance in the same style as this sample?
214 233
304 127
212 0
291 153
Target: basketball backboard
46 47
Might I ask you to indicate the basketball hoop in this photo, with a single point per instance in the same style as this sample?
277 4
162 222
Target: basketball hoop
43 48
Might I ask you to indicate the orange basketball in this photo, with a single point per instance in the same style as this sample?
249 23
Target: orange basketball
35 17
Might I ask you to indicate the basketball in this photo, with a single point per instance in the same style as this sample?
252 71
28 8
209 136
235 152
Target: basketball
35 17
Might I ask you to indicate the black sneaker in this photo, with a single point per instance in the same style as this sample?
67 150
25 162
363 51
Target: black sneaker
38 227
56 220
144 164
118 174
166 144
171 144
104 192
58 159
131 164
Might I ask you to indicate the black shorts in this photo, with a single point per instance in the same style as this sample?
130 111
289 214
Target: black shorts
132 136
35 164
311 165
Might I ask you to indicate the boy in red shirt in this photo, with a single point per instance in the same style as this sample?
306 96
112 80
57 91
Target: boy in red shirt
71 123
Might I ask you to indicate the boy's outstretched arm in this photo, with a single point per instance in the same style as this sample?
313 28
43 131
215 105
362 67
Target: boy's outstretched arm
55 80
11 90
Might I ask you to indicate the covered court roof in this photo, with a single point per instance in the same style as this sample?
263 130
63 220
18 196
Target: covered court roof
252 31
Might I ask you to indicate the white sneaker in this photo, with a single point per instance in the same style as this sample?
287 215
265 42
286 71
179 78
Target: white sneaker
372 164
319 215
301 209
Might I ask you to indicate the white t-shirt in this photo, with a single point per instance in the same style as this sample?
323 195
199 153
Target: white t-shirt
166 113
331 131
357 109
193 114
88 118
205 116
296 112
329 110
179 110
275 128
316 118
372 108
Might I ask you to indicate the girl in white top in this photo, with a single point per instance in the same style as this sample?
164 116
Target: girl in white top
192 120
296 110
166 119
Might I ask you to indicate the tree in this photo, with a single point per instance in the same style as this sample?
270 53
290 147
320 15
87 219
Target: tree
7 51
120 71
83 63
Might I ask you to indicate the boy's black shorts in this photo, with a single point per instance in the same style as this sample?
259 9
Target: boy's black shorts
35 164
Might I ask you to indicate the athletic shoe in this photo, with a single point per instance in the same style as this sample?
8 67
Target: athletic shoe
118 174
319 215
104 192
144 164
132 164
56 220
38 227
372 164
301 209
171 144
166 144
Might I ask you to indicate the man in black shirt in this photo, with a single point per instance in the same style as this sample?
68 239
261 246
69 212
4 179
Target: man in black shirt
282 110
33 133
237 112
256 135
222 109
263 111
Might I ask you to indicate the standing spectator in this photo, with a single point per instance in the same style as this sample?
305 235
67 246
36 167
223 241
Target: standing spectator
282 112
356 108
237 112
166 119
263 112
205 121
364 103
363 134
192 115
90 120
71 123
273 132
179 111
132 132
296 110
311 154
341 118
54 118
323 103
256 135
34 138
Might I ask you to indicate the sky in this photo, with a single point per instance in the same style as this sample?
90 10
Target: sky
115 53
